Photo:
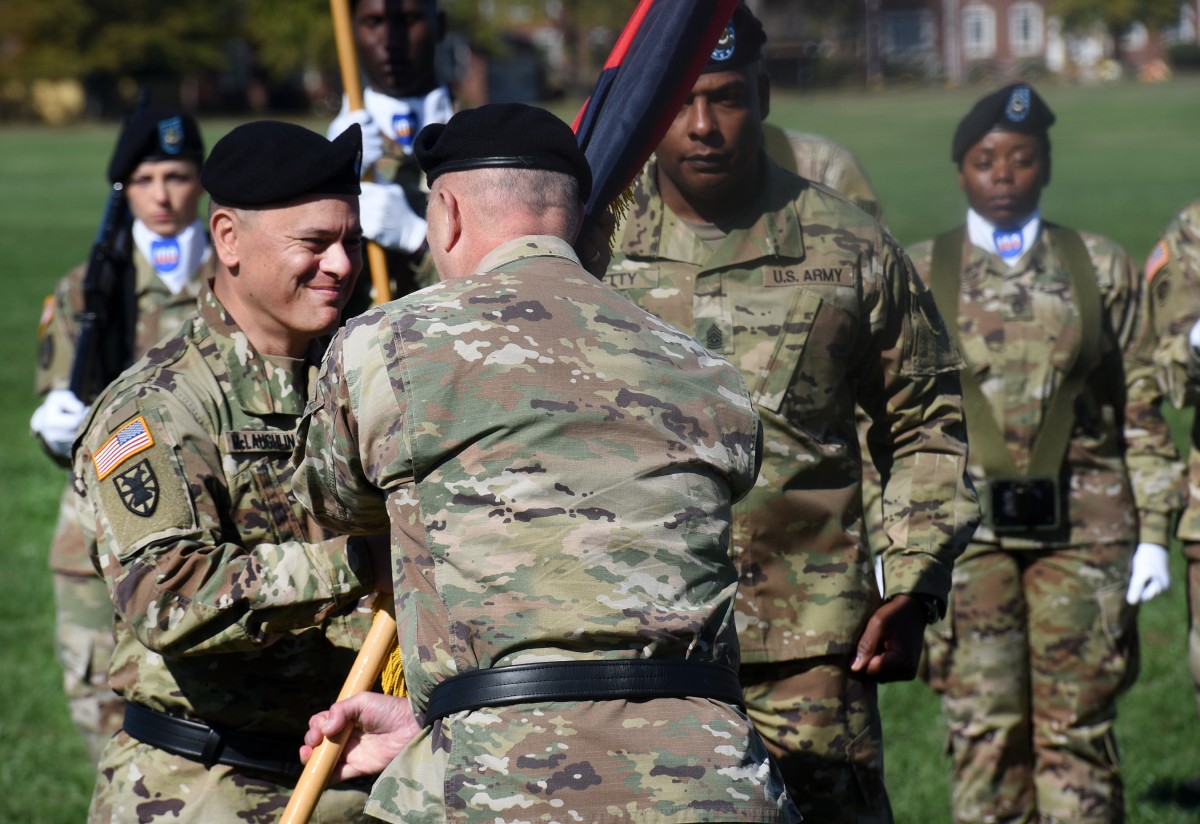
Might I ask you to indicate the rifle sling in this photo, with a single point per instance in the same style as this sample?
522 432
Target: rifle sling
984 433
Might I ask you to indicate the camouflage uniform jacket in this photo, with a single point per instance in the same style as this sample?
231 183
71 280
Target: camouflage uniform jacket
159 313
233 608
820 309
1019 329
557 467
1172 308
823 161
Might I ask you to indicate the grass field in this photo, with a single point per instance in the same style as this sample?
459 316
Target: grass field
1125 160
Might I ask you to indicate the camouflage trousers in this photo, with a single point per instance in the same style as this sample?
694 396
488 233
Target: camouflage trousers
84 644
1035 649
822 727
138 783
1192 551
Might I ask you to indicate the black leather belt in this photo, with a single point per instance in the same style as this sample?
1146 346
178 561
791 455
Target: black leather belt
274 757
583 681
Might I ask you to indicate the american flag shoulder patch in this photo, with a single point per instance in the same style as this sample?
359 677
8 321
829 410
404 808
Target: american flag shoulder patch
47 316
1157 260
133 437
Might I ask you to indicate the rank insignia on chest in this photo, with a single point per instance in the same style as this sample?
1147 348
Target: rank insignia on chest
137 488
132 438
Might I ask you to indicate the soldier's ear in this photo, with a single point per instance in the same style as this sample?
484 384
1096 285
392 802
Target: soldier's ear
445 220
764 95
452 214
223 228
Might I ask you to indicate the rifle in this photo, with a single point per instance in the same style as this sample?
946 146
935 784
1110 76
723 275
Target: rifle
105 328
92 370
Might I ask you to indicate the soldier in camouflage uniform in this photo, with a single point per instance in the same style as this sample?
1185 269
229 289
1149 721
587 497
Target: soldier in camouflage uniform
1041 635
395 41
162 258
557 468
237 616
821 310
1173 312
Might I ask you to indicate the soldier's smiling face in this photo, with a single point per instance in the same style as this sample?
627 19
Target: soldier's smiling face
291 269
708 160
164 194
1003 175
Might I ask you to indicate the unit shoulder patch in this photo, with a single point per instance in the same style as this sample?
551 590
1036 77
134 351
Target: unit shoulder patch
138 489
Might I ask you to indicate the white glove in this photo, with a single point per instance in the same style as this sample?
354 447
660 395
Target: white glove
372 138
1151 573
57 420
387 218
879 573
1194 338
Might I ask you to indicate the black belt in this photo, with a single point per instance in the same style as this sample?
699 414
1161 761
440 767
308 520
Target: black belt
583 681
272 756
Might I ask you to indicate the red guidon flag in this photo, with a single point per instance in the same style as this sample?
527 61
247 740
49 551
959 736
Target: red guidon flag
649 72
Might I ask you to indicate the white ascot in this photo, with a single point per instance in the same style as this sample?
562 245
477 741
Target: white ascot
1010 246
176 257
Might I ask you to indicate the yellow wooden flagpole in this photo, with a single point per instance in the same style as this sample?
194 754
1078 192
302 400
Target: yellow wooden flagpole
343 35
366 670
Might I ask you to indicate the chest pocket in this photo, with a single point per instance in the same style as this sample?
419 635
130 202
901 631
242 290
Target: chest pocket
1054 315
264 509
807 368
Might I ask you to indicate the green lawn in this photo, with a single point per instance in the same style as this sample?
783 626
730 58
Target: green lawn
1125 160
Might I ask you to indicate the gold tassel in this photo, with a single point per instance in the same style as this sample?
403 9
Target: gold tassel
392 678
619 208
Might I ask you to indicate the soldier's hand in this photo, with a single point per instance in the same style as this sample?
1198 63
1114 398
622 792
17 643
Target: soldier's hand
388 219
1151 575
56 422
382 724
372 140
890 646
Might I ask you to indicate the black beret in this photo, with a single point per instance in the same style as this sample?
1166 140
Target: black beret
155 134
741 42
507 135
269 162
1015 108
